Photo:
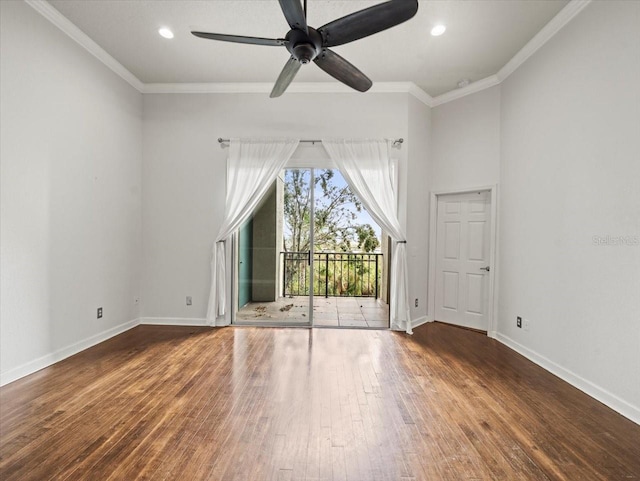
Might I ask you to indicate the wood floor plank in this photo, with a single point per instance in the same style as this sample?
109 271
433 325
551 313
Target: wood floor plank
269 404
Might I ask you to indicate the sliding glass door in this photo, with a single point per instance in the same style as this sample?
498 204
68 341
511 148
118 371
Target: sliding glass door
311 255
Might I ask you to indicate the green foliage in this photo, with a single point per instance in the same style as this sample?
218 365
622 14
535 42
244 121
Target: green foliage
297 200
336 220
367 240
338 271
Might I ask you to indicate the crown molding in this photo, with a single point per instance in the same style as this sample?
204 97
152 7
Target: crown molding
472 88
420 94
294 88
45 9
564 16
573 8
208 88
266 87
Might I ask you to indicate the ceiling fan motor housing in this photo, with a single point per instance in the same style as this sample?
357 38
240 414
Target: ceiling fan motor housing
302 46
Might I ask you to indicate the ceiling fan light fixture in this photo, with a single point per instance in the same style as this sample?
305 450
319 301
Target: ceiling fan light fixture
438 30
165 32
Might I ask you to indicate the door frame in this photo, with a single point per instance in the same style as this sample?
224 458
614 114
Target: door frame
492 300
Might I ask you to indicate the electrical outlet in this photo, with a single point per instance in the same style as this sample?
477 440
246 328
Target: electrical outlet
526 324
519 322
189 301
99 312
416 302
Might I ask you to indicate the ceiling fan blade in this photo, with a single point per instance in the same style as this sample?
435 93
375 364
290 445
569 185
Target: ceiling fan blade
275 42
294 14
342 70
286 76
367 22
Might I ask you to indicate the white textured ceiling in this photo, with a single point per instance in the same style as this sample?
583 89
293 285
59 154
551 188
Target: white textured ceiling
481 37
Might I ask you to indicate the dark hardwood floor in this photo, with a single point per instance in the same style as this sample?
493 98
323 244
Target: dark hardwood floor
167 403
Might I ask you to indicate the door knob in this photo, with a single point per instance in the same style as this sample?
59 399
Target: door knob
485 268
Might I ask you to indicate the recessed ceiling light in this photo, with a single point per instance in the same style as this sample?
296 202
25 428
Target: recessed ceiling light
165 32
438 30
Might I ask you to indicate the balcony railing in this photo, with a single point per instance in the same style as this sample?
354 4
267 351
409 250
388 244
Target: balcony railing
336 274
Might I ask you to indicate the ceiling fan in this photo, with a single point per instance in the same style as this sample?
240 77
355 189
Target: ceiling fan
308 44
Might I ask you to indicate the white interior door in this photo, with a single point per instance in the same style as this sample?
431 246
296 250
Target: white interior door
462 259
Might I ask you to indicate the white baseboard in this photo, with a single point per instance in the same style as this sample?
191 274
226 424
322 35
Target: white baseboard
414 323
51 358
614 402
173 321
420 321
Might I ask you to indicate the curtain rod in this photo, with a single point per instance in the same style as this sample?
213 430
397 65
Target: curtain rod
396 142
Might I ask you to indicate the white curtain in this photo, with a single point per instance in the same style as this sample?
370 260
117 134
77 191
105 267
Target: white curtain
366 165
252 166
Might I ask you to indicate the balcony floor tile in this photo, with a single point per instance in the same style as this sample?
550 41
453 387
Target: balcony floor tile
332 311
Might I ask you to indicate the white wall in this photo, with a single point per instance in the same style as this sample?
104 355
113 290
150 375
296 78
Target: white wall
465 142
571 171
464 150
70 195
184 175
418 207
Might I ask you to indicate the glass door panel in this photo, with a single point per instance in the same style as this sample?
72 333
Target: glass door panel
349 267
274 255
